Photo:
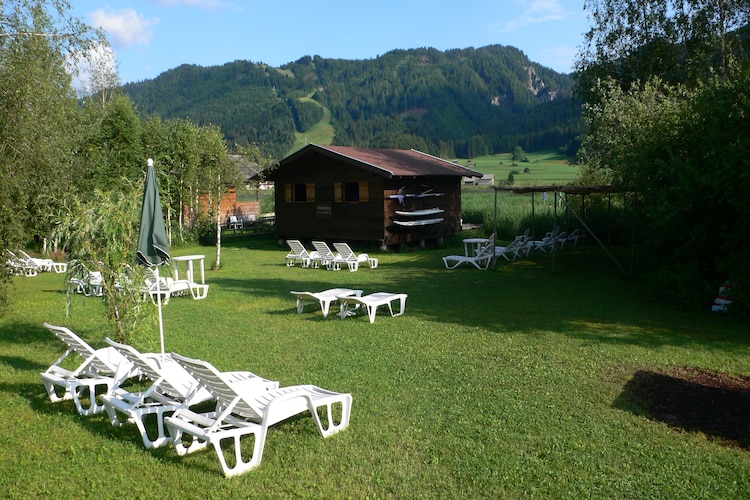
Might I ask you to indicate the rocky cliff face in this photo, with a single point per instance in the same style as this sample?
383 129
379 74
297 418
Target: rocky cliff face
537 87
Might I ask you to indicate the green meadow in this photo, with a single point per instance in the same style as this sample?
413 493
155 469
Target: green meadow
513 382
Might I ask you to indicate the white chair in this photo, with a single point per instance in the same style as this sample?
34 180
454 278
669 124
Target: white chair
101 369
19 266
481 259
371 303
235 222
346 254
172 388
245 409
88 283
44 265
167 287
517 248
544 245
574 237
298 253
325 298
326 257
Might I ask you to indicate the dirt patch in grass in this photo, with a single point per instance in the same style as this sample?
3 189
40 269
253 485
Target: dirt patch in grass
693 400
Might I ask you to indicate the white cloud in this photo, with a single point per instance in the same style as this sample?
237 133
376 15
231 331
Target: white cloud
92 69
125 27
538 11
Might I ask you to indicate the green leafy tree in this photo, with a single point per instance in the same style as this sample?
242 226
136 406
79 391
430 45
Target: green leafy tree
38 116
676 143
217 174
183 163
680 42
100 232
112 149
519 154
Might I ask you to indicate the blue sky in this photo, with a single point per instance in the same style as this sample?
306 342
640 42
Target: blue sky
152 36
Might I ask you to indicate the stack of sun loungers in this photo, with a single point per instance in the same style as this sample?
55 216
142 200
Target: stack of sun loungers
521 246
239 404
323 256
23 264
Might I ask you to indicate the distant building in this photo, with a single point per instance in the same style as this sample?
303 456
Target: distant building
389 196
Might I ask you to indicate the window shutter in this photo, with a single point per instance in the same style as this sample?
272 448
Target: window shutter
310 191
288 193
338 192
364 191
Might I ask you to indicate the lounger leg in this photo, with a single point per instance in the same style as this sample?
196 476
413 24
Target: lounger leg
53 393
300 305
324 306
331 427
161 436
240 466
371 310
402 307
93 407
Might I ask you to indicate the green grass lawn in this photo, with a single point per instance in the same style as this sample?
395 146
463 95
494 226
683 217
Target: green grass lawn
504 383
544 168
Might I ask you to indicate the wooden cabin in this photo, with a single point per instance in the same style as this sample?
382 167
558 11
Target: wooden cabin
390 196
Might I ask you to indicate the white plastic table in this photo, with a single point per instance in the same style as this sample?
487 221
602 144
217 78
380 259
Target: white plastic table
190 271
472 245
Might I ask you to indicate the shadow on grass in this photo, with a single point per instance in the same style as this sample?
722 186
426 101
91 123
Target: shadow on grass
18 363
586 298
16 332
693 401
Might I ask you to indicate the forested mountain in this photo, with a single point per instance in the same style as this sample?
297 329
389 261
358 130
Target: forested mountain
457 103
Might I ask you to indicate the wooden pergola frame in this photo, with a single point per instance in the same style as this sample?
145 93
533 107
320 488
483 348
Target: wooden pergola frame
558 191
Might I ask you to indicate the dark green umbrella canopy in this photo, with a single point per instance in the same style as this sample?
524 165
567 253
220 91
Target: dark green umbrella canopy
153 245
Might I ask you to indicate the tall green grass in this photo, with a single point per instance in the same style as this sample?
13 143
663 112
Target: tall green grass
505 383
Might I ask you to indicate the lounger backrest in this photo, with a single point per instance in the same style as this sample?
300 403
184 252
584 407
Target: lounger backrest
72 340
297 248
323 250
212 379
173 379
345 251
102 360
488 248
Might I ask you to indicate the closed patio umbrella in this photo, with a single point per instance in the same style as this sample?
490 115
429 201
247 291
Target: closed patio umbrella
153 245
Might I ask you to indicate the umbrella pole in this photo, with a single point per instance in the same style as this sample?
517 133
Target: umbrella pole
158 303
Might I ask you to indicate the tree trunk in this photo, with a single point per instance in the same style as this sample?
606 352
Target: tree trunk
218 228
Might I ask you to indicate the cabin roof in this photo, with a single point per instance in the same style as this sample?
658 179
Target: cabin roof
387 162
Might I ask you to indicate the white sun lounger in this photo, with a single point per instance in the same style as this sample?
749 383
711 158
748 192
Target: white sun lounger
248 409
325 298
102 369
172 388
371 303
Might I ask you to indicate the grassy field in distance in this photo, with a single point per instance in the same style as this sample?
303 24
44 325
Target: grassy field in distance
544 168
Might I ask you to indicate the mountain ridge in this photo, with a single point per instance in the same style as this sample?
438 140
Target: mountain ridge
453 103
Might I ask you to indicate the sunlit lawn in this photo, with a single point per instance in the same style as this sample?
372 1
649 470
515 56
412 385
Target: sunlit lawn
544 168
504 383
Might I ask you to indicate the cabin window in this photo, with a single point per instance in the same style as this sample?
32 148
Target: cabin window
353 192
300 192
